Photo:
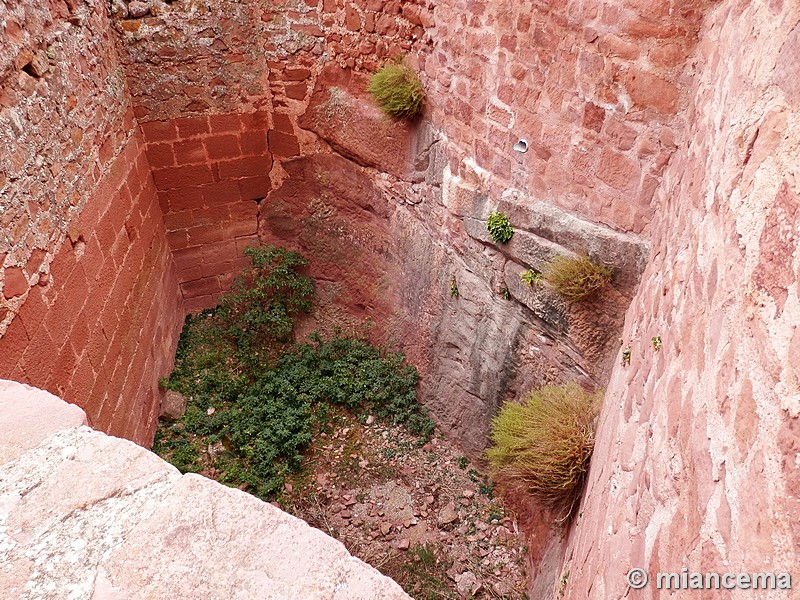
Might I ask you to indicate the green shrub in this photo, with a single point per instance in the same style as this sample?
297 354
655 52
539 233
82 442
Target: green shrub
545 443
499 228
530 277
396 88
453 287
259 309
576 278
270 423
263 412
179 451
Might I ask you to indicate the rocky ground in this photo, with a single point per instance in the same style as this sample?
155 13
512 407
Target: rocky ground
421 514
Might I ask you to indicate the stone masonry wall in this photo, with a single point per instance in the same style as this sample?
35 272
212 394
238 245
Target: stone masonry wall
90 304
210 172
696 462
594 87
217 88
265 103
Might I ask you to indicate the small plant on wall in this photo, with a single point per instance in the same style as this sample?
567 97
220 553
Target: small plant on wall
530 277
453 287
576 278
545 443
499 228
397 90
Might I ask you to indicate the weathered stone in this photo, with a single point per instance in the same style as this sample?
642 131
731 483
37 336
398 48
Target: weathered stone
785 74
357 129
137 9
447 514
467 584
119 9
558 230
105 513
14 283
39 64
29 415
173 405
651 91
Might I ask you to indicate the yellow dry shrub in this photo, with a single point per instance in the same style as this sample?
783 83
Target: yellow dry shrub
576 278
545 443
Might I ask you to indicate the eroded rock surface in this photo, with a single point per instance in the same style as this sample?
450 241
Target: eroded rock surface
85 515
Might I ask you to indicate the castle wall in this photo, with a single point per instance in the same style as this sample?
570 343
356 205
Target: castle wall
257 122
218 89
696 458
594 87
90 304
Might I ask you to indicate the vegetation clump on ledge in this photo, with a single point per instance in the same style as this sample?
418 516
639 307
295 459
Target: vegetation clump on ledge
256 397
396 88
545 443
576 279
530 277
499 228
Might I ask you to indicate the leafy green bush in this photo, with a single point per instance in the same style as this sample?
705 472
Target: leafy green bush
260 308
499 228
268 425
530 277
351 373
545 443
179 451
576 278
396 88
204 364
260 414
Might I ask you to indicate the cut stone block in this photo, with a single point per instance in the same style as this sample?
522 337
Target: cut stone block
29 415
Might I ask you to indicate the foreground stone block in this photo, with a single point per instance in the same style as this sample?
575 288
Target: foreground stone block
84 515
31 415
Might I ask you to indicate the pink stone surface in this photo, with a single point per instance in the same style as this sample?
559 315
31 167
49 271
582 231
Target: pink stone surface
89 516
28 415
697 460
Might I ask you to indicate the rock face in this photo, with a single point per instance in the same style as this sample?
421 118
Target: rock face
86 515
34 416
696 458
90 307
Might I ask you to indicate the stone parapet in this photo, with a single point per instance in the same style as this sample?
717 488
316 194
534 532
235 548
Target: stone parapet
85 515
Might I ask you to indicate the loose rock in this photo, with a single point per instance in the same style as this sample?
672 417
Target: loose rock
447 514
467 584
138 10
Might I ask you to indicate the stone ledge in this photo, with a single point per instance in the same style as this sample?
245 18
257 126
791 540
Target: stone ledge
626 252
543 231
31 415
85 515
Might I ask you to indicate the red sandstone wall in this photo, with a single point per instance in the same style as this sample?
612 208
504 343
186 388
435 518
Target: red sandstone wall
387 228
696 463
210 172
90 304
218 89
594 86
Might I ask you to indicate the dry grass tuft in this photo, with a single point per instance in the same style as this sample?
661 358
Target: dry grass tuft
545 443
397 90
576 278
